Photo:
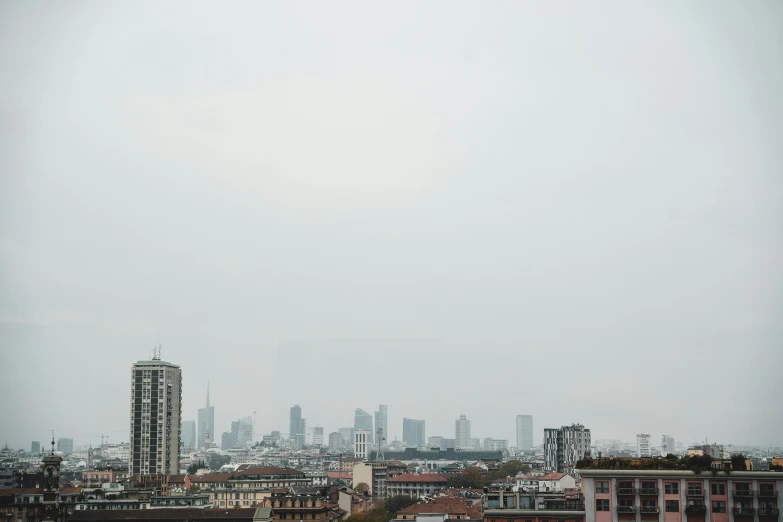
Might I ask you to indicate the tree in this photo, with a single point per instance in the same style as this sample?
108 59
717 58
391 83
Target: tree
396 503
215 461
738 462
362 488
192 469
470 478
512 468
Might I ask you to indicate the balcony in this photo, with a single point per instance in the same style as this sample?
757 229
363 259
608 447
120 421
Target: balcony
649 491
743 493
626 510
651 509
769 512
744 511
626 491
695 492
768 493
695 510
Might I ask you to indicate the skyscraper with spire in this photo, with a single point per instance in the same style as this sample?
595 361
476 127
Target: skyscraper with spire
206 422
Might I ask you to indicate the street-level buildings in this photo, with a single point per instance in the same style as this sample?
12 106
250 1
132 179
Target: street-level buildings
155 418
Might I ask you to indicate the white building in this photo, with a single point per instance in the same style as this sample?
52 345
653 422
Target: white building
362 444
462 432
643 448
495 444
318 436
155 419
548 483
524 432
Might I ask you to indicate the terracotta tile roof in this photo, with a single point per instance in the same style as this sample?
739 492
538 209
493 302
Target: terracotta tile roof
268 470
448 500
448 509
549 476
432 477
475 512
70 491
210 477
176 478
176 514
6 492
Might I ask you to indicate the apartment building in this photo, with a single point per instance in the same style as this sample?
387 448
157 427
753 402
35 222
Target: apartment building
564 447
414 486
667 445
620 495
643 447
155 418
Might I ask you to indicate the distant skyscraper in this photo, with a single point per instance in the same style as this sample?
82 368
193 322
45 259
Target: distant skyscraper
565 446
35 447
346 435
65 445
335 441
436 441
227 440
381 422
524 432
295 426
363 421
206 423
667 445
189 434
318 436
156 420
462 433
643 448
413 433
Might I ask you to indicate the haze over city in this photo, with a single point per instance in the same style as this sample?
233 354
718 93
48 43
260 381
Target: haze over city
562 210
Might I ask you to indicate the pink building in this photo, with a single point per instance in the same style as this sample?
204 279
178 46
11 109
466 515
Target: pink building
681 496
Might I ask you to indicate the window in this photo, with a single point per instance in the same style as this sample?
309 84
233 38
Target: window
649 485
672 488
625 502
718 488
602 486
672 506
602 504
718 506
649 503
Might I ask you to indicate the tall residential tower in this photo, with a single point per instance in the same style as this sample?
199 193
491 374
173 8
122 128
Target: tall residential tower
565 446
524 432
155 415
462 433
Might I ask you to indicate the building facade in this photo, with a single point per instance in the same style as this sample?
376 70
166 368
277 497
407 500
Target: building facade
495 444
362 444
155 418
462 432
643 446
681 496
363 421
524 432
335 441
206 423
318 436
35 447
413 433
563 447
414 486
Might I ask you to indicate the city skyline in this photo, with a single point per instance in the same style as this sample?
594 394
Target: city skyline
581 200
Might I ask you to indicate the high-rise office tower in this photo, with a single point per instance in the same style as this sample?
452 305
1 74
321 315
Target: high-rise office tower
346 436
296 426
335 441
189 434
318 436
35 447
462 432
643 447
565 446
65 445
413 433
667 445
361 444
381 422
524 432
363 421
206 423
156 404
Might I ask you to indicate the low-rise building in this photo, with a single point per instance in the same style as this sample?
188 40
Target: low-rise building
415 486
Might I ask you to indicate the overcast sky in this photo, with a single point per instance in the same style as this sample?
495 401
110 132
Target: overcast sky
564 209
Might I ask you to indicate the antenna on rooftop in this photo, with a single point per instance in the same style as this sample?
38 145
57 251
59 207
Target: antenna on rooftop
379 454
156 352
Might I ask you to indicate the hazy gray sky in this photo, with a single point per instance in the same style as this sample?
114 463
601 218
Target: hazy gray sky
565 209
